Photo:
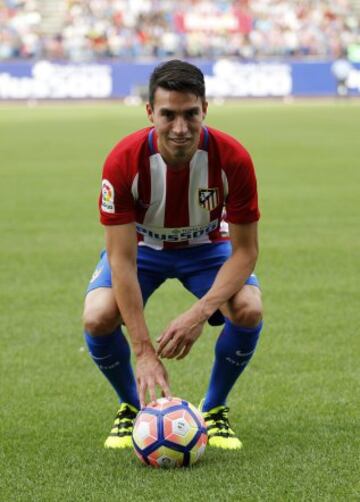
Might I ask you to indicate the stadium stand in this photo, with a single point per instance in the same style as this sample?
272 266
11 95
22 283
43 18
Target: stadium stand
88 30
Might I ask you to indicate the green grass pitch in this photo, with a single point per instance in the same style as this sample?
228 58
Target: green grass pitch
296 407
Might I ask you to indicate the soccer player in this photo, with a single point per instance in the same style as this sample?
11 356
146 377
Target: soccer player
169 192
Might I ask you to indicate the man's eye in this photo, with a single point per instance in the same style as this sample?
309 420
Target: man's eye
191 114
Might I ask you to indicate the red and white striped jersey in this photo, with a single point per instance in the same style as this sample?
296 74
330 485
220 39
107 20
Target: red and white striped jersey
182 207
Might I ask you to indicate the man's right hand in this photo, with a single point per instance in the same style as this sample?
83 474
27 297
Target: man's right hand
150 372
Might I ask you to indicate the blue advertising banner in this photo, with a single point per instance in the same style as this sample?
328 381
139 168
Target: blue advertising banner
224 79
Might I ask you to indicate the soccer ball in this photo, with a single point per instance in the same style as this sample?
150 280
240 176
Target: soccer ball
172 433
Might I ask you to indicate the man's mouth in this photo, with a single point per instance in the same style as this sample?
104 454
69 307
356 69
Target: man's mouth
180 141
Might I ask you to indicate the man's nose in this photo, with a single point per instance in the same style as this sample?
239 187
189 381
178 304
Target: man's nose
180 125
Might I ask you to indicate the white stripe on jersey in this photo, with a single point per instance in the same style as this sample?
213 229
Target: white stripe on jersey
134 187
224 225
199 178
155 215
225 184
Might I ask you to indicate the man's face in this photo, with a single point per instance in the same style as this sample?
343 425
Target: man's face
177 118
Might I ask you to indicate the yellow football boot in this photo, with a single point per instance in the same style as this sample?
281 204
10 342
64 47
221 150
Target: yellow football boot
121 432
220 434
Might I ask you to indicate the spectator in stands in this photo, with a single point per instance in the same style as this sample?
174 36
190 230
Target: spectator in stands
124 29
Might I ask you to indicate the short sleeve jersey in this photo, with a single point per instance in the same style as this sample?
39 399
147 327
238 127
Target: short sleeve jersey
183 207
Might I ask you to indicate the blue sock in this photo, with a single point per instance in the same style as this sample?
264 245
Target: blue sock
111 353
233 350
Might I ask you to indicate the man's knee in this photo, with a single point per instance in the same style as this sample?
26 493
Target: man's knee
98 323
101 315
249 316
246 309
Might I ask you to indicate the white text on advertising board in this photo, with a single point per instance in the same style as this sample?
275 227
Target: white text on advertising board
233 79
56 81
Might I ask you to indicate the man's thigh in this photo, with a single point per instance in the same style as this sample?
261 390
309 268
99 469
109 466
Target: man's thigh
101 313
205 264
150 274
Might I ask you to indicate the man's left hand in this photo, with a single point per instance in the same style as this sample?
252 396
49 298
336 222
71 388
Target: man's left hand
180 335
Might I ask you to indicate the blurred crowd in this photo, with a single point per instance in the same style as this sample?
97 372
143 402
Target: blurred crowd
88 30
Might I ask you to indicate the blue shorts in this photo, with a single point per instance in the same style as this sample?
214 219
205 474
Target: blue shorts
195 267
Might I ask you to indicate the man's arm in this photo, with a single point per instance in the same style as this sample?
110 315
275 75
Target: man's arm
178 338
234 272
121 245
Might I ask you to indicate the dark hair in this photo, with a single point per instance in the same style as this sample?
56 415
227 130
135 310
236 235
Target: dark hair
176 75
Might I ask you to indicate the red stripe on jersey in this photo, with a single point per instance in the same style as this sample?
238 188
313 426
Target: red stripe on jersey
215 181
144 189
177 206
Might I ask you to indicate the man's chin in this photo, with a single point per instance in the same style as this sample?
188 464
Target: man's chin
178 154
182 157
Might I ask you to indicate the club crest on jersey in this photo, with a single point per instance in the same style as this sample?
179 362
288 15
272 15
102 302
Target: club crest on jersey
209 198
107 197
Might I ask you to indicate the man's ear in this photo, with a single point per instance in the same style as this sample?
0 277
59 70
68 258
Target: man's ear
204 108
150 112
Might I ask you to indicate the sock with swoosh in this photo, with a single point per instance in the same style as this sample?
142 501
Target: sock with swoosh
233 350
111 353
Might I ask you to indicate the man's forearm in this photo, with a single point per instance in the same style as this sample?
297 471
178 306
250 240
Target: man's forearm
129 300
229 280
